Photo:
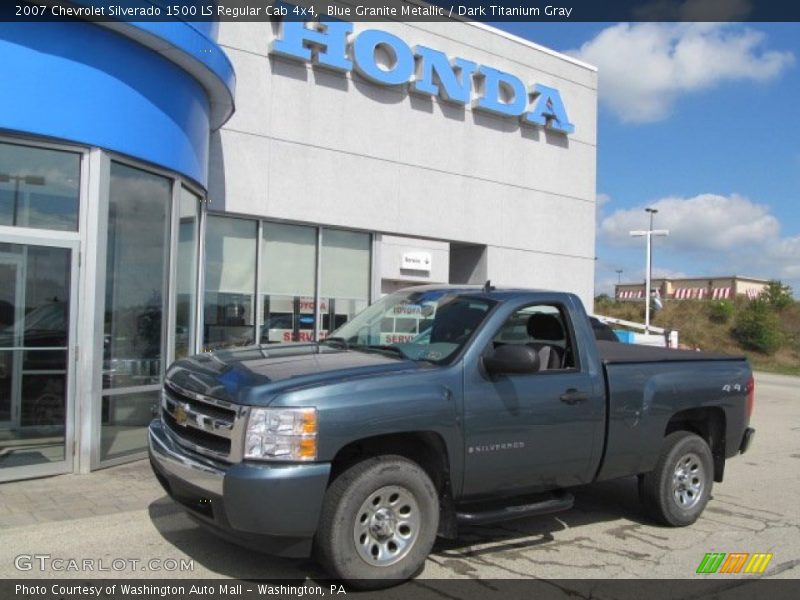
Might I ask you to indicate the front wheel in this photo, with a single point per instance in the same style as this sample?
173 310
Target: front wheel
379 522
676 492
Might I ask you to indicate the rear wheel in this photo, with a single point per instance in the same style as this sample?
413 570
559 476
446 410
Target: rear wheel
379 522
676 492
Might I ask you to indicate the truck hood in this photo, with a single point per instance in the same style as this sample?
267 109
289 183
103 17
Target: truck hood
255 375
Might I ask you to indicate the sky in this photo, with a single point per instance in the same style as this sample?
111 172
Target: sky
702 122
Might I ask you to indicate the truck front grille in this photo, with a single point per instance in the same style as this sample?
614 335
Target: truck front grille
203 424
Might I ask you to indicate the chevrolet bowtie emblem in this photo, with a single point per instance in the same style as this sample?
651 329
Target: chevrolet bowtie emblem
181 414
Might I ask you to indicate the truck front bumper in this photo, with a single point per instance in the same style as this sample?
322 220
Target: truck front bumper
273 508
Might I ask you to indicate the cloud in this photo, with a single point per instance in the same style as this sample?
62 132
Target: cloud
645 67
601 201
786 253
720 235
703 222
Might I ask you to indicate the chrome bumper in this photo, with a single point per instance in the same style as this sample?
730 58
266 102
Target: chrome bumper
173 459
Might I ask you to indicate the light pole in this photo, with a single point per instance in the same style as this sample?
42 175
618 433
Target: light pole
647 265
652 212
17 179
619 275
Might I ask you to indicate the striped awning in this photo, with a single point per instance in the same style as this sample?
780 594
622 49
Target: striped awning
630 294
690 293
753 294
721 293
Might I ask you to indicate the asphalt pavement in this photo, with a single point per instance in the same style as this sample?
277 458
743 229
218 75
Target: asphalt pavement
122 514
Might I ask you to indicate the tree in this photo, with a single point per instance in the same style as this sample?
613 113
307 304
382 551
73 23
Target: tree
757 327
778 295
720 311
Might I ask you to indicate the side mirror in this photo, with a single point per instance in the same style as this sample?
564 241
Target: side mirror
512 358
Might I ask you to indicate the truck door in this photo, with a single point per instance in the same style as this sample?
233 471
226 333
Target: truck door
538 430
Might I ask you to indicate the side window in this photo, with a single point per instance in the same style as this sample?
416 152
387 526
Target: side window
543 327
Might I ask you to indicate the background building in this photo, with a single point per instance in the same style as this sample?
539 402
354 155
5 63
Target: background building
142 218
695 288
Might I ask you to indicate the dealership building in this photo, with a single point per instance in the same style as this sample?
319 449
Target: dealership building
168 188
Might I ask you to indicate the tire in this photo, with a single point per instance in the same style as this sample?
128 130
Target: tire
378 523
676 492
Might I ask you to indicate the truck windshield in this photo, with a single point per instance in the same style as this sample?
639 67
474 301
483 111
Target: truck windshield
420 325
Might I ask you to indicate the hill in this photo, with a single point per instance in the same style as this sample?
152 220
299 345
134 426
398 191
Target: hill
719 326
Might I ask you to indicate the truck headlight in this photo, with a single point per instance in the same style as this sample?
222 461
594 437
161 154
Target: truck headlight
286 434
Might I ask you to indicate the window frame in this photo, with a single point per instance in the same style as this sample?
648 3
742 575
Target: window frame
96 235
202 267
83 153
260 295
319 230
569 331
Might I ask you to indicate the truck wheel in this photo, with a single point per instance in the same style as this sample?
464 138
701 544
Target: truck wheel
678 489
378 523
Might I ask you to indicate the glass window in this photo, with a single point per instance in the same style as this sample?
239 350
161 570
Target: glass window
428 325
39 187
345 277
186 275
230 272
288 279
34 317
134 345
136 259
542 327
125 417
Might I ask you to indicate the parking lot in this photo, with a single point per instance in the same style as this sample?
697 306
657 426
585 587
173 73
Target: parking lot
123 513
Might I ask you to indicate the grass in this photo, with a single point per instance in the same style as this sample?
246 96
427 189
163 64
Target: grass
691 318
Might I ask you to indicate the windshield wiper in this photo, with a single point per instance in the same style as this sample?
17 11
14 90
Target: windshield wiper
339 341
380 348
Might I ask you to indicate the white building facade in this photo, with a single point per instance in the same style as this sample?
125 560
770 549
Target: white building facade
475 194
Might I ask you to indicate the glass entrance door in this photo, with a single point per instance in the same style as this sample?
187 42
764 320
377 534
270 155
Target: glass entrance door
37 291
10 272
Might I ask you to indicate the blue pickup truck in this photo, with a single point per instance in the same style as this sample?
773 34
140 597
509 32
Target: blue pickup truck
364 447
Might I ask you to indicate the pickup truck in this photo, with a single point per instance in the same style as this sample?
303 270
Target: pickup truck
363 451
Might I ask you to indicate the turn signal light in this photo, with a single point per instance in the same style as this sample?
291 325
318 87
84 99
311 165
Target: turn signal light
751 397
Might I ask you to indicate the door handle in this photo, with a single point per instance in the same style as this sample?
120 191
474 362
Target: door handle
573 396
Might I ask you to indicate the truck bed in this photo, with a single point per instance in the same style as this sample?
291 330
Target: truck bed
617 353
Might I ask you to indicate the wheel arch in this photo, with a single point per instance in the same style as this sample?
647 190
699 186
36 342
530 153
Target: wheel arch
709 423
428 449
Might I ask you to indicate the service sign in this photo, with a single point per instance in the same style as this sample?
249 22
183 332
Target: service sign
425 71
416 261
288 335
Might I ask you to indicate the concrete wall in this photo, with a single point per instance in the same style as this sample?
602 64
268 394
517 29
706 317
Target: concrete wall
743 286
468 264
391 248
306 144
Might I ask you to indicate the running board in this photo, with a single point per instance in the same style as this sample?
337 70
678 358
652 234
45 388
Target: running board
553 503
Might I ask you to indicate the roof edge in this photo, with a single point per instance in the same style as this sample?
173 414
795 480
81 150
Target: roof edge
520 40
194 52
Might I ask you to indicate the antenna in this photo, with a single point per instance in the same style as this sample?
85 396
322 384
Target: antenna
488 287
